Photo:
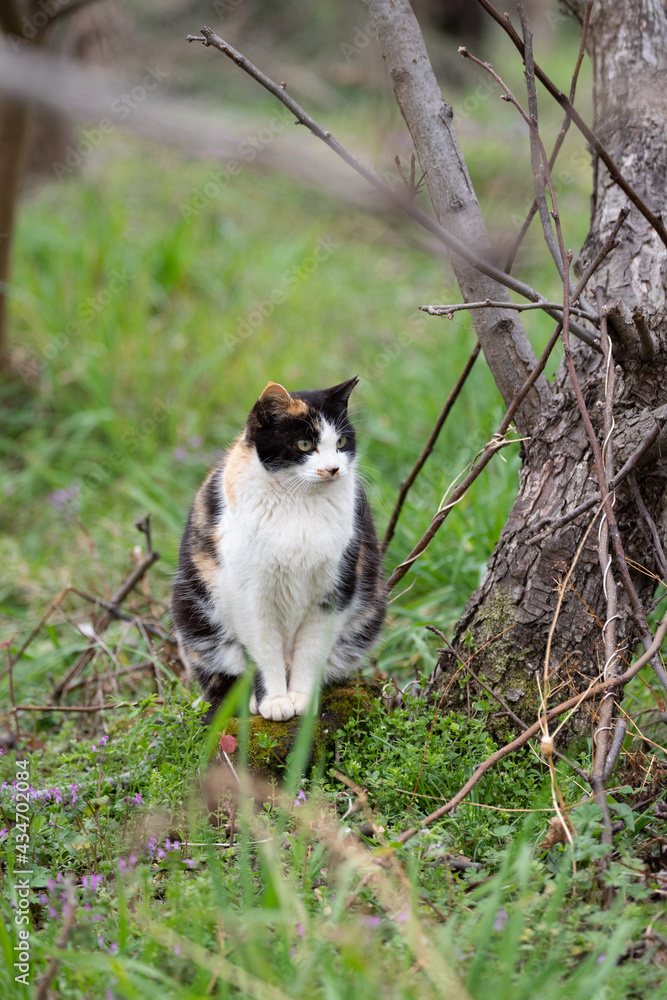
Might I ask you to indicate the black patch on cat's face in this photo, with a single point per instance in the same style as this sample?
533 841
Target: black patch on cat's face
275 434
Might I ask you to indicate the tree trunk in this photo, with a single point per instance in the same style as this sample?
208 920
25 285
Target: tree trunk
514 608
31 139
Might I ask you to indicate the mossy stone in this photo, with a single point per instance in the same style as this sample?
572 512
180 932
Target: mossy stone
270 743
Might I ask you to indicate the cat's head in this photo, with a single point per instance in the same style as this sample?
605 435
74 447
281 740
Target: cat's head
305 434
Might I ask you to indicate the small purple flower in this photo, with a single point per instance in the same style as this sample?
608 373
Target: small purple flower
66 500
601 959
137 800
370 921
103 741
179 454
300 930
195 441
177 949
3 833
501 919
92 881
300 798
189 862
73 788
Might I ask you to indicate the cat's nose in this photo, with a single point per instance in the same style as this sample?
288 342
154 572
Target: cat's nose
332 470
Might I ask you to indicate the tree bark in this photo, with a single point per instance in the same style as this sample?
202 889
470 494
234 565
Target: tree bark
430 120
514 608
32 138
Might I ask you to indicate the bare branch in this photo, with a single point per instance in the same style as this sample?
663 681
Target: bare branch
558 95
551 307
488 452
635 461
514 249
553 713
398 198
478 467
430 444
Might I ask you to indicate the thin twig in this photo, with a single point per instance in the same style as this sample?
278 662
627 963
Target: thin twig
144 665
45 617
633 462
514 249
448 310
615 749
615 174
396 197
535 142
112 705
501 701
486 456
430 444
103 622
649 528
154 630
574 702
609 630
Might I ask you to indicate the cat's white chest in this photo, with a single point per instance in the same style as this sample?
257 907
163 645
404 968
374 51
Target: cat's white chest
280 554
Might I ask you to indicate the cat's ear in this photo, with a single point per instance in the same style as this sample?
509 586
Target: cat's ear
274 398
274 401
339 394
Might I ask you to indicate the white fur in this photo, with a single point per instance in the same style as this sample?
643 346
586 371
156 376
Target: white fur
281 538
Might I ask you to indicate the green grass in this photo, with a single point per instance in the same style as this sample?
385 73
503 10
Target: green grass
138 325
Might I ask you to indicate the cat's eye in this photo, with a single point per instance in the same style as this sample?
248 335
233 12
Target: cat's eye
305 444
340 443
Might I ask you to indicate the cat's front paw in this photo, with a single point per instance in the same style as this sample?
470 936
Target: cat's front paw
253 705
278 709
300 700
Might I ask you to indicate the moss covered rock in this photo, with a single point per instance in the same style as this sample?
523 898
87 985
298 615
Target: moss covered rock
270 743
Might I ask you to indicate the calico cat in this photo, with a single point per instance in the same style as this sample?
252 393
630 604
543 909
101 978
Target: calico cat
279 561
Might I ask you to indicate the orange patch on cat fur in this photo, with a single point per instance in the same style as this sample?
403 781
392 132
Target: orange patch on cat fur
278 398
206 567
237 462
